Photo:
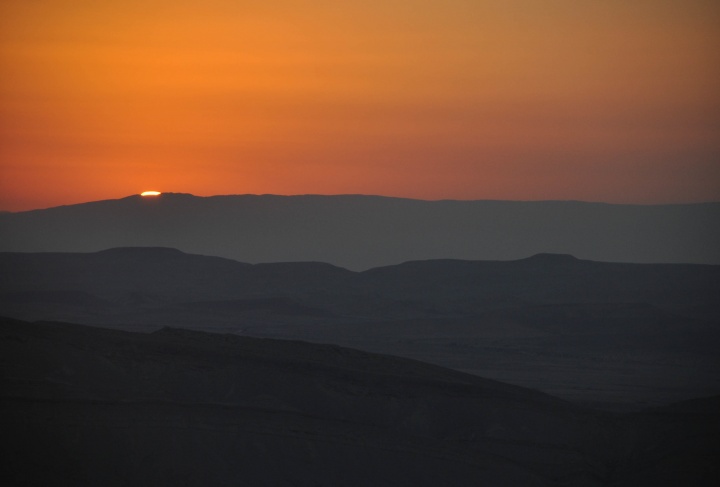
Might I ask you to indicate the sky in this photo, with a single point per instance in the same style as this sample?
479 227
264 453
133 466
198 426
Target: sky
595 100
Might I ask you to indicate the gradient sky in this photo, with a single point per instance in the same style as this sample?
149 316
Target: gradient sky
597 100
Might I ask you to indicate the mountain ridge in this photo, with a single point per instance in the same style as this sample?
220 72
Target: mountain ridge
640 334
190 196
360 232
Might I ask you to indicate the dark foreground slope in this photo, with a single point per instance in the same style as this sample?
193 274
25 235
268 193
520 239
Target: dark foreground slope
360 232
92 406
620 335
87 406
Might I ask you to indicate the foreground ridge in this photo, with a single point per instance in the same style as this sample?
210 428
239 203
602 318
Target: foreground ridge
135 407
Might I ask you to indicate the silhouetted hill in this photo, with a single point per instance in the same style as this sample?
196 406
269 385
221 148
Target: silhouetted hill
360 232
447 286
624 335
88 406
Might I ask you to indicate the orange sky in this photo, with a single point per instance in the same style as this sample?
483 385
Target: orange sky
610 100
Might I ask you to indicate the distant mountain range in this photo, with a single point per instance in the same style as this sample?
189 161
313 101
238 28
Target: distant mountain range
359 232
611 333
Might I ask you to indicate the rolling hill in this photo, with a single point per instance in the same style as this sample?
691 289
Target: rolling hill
610 334
90 406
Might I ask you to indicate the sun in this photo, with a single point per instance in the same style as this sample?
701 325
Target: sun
150 193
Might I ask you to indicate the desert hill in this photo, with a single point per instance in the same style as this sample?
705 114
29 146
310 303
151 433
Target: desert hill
90 406
604 333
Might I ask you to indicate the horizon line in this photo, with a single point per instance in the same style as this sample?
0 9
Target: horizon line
331 195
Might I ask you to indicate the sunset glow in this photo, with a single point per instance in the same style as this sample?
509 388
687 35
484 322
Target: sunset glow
502 99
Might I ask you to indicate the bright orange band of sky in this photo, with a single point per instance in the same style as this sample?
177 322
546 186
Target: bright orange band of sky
610 100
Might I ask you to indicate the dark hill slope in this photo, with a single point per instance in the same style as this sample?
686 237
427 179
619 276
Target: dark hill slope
360 232
87 406
164 273
550 279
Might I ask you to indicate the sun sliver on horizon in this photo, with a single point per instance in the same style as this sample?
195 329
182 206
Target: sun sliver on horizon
150 193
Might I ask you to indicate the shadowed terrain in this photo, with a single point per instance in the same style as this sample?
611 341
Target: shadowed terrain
91 406
618 336
359 232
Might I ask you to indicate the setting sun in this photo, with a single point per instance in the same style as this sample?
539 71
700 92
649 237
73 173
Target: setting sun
150 193
611 101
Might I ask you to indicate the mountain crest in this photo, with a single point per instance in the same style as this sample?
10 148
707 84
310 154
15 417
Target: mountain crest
550 258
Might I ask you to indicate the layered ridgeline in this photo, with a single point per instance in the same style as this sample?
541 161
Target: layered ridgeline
623 335
360 232
87 406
